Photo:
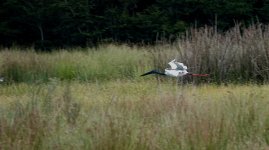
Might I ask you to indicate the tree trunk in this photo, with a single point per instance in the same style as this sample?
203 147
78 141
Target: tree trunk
41 33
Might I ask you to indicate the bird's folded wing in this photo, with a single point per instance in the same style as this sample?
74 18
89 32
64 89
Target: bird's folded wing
180 66
177 65
172 65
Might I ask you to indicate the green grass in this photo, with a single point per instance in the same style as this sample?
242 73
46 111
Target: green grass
128 114
107 63
95 98
240 55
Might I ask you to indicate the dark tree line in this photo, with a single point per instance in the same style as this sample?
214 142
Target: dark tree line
63 23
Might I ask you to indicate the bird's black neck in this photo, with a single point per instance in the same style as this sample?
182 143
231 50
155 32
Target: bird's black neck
153 72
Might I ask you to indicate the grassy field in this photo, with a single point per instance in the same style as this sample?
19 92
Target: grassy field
94 98
102 64
128 114
239 55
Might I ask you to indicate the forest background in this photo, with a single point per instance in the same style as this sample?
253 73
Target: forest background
48 24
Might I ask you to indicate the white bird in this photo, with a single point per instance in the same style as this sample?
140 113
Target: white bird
1 79
176 69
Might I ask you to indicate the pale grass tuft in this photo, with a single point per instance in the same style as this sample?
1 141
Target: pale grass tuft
73 115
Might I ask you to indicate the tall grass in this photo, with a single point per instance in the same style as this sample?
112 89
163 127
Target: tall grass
106 63
133 115
127 112
238 55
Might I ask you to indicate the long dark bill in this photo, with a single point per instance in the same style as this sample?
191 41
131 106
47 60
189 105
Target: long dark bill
153 72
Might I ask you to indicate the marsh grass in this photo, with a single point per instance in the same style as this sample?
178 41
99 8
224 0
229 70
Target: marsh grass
106 63
240 55
72 115
50 106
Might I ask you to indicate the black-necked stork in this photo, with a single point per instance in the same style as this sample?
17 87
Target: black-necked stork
176 69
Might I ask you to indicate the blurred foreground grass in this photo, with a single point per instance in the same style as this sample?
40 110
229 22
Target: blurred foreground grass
129 114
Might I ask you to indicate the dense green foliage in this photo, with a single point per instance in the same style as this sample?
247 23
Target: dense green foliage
62 23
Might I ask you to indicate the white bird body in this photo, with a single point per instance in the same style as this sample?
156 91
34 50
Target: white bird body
175 73
176 69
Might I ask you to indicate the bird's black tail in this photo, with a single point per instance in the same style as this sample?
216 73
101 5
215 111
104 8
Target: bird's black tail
153 72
